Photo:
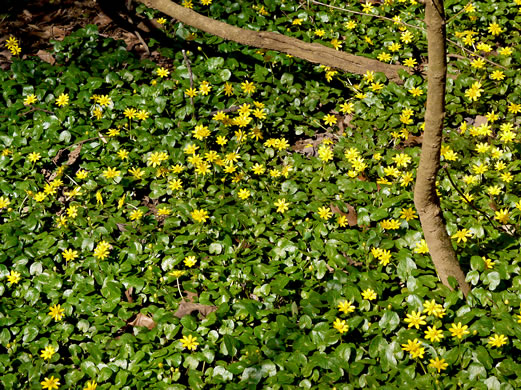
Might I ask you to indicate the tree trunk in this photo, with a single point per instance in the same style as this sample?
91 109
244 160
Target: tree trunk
312 52
425 197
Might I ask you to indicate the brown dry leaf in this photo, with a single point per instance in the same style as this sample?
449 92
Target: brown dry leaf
102 20
56 158
186 308
73 156
128 294
480 120
352 219
46 56
413 140
190 296
143 320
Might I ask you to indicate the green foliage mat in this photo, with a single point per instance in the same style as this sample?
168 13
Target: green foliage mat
243 219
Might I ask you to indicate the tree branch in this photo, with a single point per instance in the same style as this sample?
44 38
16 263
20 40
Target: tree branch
312 52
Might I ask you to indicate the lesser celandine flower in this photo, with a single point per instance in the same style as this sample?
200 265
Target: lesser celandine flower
50 383
415 319
13 277
56 312
341 325
458 330
438 364
369 294
200 215
189 342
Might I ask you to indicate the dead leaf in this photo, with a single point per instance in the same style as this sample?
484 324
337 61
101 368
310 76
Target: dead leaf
143 320
187 308
46 56
480 120
413 140
128 294
56 158
352 219
73 156
190 296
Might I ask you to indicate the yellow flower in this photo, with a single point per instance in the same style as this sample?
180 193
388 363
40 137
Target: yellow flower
162 72
458 330
408 214
136 215
282 205
243 193
111 173
438 364
248 87
325 213
102 250
4 202
142 115
494 28
47 353
92 385
190 261
369 294
462 235
228 89
336 43
415 319
30 99
163 211
502 216
433 334
189 342
329 119
410 62
130 113
416 91
421 247
497 340
347 108
258 169
191 92
414 348
62 100
346 306
340 325
342 221
56 312
33 157
474 92
136 172
69 254
123 154
489 264
50 383
205 88
384 57
200 215
497 75
13 277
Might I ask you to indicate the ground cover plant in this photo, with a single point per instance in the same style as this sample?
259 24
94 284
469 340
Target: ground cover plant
240 218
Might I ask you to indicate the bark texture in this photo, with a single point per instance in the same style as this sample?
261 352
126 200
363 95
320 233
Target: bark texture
425 197
312 52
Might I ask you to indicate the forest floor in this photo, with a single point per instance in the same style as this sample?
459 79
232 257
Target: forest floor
36 23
